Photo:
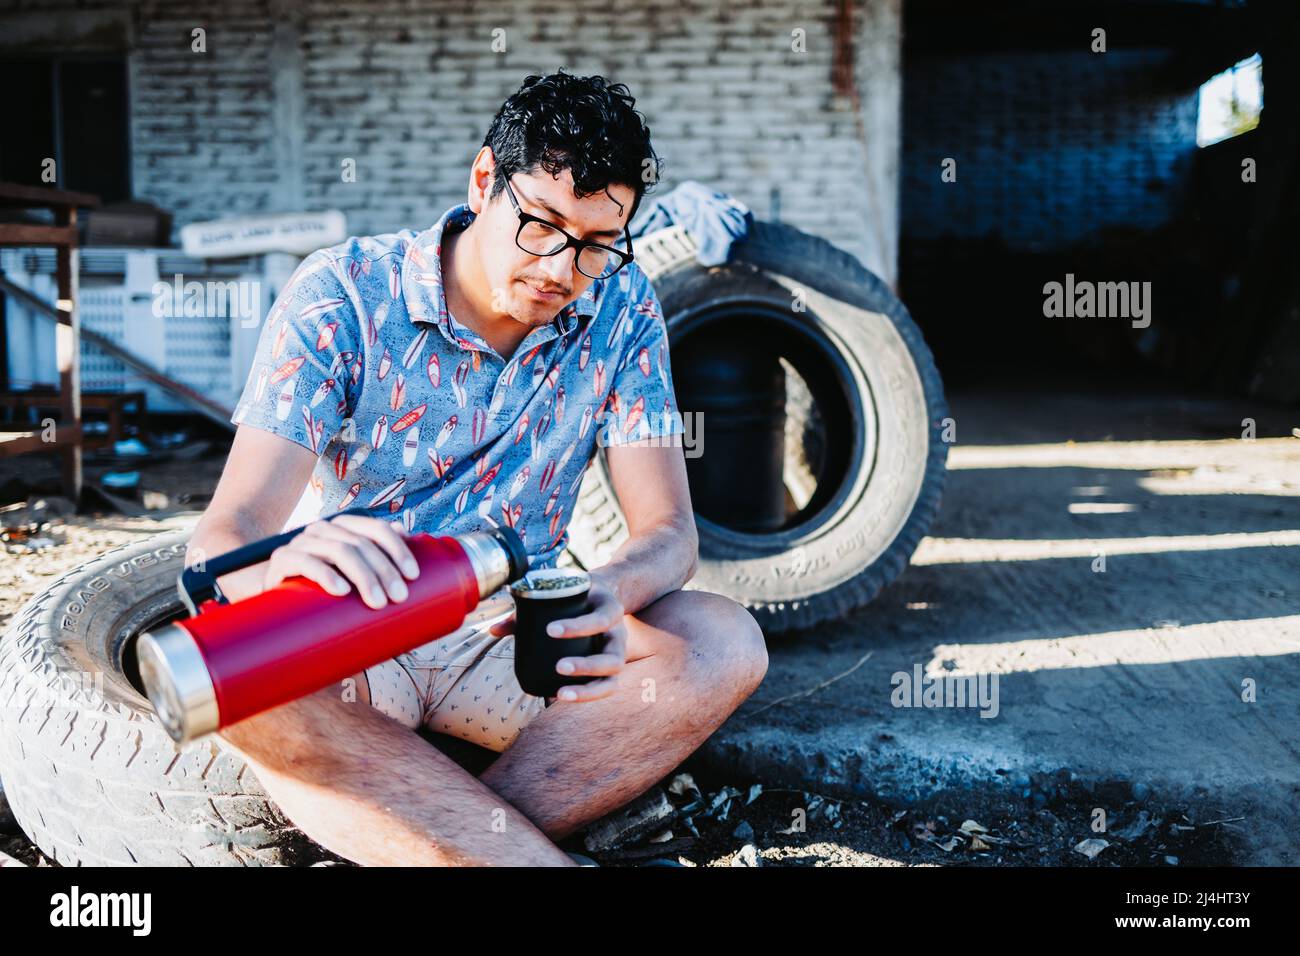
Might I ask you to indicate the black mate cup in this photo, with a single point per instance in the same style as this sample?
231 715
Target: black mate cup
538 602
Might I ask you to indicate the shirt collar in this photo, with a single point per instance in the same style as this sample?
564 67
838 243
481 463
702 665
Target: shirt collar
422 287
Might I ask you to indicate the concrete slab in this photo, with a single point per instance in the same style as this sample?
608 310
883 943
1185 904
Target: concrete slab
1128 569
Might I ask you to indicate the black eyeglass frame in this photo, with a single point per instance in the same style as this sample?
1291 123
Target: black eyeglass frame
570 241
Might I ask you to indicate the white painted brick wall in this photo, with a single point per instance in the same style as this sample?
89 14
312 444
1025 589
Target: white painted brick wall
408 87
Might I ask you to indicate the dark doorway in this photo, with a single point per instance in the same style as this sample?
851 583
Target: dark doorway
72 110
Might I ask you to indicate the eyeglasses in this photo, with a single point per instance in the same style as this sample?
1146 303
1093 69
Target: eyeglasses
541 238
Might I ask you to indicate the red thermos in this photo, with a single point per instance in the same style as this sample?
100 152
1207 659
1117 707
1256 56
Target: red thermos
231 661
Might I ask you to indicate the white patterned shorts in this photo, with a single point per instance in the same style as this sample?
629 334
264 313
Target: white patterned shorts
462 684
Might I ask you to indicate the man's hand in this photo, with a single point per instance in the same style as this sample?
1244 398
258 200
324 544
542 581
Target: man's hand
348 550
605 617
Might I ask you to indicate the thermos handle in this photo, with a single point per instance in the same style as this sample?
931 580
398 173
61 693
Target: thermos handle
197 586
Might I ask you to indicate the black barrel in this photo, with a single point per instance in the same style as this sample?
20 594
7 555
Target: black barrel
739 390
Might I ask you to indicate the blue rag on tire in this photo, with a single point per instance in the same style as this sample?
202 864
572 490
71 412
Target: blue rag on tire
713 219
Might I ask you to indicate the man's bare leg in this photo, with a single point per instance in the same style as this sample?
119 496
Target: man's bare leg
694 657
376 793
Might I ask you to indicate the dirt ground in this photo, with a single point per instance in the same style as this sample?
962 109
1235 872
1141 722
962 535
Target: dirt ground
731 822
743 824
1019 832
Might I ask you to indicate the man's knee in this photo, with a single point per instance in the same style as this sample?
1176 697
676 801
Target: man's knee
721 636
742 641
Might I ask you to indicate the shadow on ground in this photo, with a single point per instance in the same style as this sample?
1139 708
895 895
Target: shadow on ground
1133 603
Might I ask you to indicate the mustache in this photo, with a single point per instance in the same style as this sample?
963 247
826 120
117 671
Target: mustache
542 286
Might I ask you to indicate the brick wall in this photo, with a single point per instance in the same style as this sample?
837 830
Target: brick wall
201 122
1049 147
288 89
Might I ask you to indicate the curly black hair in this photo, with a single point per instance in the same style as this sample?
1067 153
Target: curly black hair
579 123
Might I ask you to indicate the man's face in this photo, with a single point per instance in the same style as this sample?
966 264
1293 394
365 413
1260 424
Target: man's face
516 276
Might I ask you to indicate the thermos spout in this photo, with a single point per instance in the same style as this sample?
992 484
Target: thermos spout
498 557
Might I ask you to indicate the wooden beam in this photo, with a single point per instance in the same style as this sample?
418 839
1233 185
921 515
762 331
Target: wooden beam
31 234
21 443
101 401
41 197
27 442
68 351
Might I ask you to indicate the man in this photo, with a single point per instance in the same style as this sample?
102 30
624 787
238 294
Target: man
447 380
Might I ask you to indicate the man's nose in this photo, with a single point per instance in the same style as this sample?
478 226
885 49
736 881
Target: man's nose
559 267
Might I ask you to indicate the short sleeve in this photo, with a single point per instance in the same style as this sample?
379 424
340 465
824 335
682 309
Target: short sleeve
307 367
642 403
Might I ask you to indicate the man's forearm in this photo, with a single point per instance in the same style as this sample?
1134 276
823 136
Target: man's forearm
648 566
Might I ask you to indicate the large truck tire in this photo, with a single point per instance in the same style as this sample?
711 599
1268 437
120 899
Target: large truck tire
89 772
865 415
